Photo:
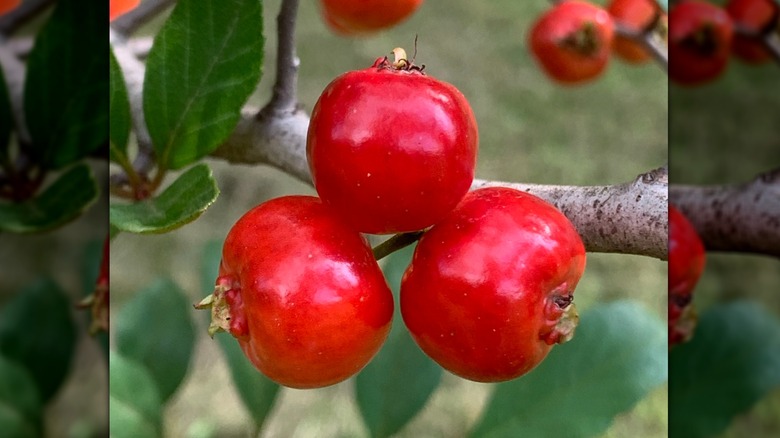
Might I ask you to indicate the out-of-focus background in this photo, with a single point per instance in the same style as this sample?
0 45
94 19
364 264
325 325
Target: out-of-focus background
531 130
727 132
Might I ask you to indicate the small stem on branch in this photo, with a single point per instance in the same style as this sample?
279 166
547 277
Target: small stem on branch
285 93
395 243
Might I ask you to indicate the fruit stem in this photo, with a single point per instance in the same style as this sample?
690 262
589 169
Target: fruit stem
395 243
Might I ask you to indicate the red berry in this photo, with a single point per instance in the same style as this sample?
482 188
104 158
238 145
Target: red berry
391 148
635 15
348 17
118 8
9 5
700 37
572 41
754 17
302 293
489 289
686 262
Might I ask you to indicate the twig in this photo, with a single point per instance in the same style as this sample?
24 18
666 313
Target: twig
132 20
742 217
284 96
393 244
649 40
628 218
14 72
28 9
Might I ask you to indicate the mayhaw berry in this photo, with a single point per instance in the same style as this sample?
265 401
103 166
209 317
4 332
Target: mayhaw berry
700 37
686 263
391 148
572 41
756 19
352 17
490 287
117 8
637 16
8 6
301 292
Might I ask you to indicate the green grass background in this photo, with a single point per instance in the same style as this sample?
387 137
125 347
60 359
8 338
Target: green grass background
531 130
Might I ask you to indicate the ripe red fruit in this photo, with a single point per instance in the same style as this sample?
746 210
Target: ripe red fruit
391 148
686 262
119 7
349 17
301 292
572 41
754 17
8 5
490 287
700 36
635 15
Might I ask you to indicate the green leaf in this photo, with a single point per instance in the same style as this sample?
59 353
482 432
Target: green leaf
66 85
732 361
37 331
135 407
59 204
205 63
398 382
181 203
617 356
155 329
6 119
257 392
119 111
20 401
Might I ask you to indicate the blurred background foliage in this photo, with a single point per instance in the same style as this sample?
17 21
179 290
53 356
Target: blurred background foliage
727 132
531 130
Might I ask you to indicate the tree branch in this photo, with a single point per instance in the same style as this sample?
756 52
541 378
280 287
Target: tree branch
14 72
133 71
629 218
24 12
285 93
740 217
132 20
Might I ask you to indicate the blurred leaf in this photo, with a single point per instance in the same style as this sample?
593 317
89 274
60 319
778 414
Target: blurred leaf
119 112
732 361
135 408
20 401
66 85
256 391
155 329
617 356
179 204
37 331
59 204
6 118
204 64
664 5
400 379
